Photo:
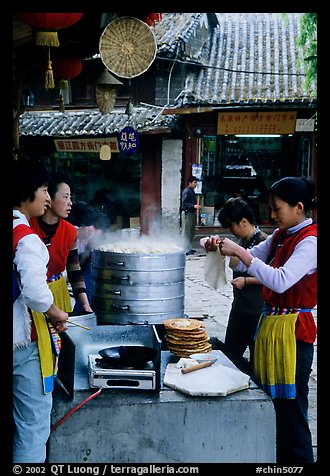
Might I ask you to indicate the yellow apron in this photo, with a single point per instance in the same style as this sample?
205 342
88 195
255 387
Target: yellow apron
275 354
49 342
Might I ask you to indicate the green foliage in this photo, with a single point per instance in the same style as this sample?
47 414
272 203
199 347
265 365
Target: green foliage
307 40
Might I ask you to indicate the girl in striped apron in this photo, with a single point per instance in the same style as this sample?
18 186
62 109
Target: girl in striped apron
286 264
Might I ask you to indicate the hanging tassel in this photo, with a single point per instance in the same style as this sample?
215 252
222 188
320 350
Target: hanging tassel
47 38
49 77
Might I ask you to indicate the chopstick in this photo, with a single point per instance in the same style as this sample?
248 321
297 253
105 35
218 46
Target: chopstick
78 325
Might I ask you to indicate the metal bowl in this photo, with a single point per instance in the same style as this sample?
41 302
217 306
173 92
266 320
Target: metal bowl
207 357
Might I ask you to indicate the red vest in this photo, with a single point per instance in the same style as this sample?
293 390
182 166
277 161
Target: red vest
60 246
301 295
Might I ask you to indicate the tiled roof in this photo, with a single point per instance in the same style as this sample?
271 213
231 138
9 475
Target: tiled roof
175 29
250 58
92 122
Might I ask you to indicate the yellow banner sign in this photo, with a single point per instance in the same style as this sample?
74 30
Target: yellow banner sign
85 145
279 122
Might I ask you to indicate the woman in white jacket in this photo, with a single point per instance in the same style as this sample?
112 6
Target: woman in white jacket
33 361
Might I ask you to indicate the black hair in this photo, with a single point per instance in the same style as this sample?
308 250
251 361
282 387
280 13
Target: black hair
55 180
293 190
28 176
83 214
234 210
192 179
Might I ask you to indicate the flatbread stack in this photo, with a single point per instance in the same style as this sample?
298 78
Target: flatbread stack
186 336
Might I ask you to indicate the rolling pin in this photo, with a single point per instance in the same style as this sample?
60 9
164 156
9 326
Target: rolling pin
202 365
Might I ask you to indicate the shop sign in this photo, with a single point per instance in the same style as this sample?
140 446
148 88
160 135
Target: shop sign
85 145
128 141
305 125
279 122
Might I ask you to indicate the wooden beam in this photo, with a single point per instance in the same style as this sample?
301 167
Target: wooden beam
159 130
186 110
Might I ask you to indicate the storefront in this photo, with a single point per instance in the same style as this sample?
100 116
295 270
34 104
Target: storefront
112 186
128 184
243 153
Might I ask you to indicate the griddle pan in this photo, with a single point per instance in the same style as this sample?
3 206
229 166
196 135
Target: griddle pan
129 354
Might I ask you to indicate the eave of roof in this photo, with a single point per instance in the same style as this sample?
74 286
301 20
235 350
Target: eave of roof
93 122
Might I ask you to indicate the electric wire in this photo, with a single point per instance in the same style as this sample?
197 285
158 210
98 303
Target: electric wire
201 65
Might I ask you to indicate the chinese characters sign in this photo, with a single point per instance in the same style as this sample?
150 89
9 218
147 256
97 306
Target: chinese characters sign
128 141
282 122
85 145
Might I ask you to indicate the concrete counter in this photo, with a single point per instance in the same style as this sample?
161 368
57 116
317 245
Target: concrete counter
166 426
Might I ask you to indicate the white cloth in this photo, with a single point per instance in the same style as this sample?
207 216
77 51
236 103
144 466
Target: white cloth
31 259
214 267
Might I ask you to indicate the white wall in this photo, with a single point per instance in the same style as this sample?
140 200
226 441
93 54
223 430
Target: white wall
170 184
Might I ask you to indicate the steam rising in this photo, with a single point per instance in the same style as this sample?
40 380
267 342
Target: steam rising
130 241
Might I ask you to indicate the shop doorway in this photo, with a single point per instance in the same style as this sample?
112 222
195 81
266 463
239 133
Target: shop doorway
247 165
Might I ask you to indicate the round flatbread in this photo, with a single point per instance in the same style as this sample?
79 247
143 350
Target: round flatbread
182 324
179 338
189 352
185 343
193 347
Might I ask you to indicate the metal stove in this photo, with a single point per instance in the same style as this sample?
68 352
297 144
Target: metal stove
105 375
77 366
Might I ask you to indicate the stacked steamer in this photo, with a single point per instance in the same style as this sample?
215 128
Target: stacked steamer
186 336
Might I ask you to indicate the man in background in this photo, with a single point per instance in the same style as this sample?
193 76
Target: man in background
189 213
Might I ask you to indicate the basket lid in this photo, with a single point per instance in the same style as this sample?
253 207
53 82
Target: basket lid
127 47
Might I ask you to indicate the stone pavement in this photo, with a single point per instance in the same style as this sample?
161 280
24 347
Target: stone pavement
213 306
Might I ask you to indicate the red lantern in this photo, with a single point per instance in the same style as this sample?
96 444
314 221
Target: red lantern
153 18
66 68
47 25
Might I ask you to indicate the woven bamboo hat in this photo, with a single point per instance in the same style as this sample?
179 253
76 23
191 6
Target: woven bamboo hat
127 47
106 91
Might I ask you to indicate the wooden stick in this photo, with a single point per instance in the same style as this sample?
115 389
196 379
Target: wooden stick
202 365
78 325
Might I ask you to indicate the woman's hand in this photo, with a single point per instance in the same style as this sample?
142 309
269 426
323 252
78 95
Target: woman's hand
58 318
83 298
87 308
211 243
238 283
228 247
